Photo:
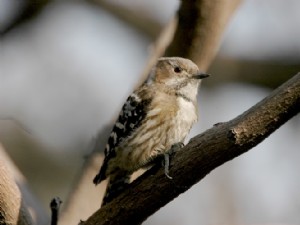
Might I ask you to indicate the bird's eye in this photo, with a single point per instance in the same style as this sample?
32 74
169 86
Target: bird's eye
177 69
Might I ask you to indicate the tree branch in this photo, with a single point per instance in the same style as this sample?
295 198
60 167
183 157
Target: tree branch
29 10
204 153
200 27
136 18
194 32
13 209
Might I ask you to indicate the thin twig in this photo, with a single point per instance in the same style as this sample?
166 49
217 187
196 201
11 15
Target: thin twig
55 205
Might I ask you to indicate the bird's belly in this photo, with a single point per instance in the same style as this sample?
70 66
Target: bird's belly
155 137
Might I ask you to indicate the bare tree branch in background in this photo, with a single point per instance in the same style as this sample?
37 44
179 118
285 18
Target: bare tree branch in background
17 203
29 10
136 18
200 28
205 152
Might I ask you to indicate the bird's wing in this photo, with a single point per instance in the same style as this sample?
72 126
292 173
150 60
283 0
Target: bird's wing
132 114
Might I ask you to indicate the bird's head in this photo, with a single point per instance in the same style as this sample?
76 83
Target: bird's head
178 74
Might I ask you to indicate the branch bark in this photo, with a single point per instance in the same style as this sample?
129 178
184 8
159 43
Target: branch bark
204 153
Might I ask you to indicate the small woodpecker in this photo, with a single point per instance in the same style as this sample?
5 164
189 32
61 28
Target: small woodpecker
154 120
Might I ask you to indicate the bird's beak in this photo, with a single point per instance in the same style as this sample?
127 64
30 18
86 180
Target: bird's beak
200 75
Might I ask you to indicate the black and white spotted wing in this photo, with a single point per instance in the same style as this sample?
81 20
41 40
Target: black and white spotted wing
132 114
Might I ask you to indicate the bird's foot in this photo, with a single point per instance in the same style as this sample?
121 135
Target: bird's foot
166 160
176 147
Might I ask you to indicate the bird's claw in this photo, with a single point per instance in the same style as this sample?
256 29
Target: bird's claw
166 162
167 165
176 147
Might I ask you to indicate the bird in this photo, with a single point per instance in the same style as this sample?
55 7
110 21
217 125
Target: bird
153 123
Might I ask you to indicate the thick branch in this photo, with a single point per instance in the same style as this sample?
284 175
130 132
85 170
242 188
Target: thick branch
204 153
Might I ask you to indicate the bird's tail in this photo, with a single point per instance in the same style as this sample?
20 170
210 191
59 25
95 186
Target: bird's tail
116 184
101 175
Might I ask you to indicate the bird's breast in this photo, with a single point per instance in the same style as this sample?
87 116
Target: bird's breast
187 111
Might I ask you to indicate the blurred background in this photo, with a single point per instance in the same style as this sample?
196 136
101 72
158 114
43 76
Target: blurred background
67 66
